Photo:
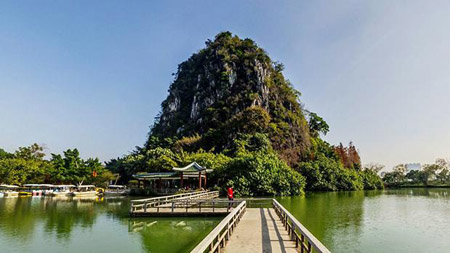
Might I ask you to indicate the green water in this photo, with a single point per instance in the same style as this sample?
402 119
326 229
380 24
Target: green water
98 225
406 220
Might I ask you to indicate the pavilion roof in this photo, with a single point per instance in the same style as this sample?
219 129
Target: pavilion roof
154 175
193 167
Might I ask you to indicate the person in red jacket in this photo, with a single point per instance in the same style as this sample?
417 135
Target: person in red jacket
230 196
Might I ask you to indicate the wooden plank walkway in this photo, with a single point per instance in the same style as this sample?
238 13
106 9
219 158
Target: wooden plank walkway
181 212
242 229
186 204
260 230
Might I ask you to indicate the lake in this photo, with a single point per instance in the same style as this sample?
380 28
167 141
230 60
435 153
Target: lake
406 220
34 224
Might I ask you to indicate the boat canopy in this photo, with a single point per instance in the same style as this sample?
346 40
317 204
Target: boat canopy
46 185
86 186
64 186
117 186
38 185
8 186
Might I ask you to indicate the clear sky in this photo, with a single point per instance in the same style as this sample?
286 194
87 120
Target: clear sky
92 74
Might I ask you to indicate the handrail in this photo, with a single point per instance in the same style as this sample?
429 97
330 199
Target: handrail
168 197
303 238
158 201
217 238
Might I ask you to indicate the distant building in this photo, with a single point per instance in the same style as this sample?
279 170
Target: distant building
413 166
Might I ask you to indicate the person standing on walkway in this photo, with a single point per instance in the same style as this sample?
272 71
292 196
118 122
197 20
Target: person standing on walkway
230 196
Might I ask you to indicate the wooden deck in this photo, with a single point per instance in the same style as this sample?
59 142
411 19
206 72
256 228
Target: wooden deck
181 212
187 204
243 229
260 230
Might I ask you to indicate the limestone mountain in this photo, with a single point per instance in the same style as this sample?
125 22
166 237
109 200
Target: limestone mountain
227 89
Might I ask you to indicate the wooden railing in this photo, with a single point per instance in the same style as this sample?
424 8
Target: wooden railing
304 240
143 204
196 205
218 237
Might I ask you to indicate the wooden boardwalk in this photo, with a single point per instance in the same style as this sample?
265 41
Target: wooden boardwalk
242 229
260 230
167 211
200 203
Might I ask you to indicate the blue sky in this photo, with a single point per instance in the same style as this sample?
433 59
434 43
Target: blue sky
92 74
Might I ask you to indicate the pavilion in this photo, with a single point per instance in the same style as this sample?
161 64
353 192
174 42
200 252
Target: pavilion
175 179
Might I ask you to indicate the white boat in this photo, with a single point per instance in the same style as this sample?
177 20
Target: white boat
9 190
117 190
47 189
85 191
61 190
37 190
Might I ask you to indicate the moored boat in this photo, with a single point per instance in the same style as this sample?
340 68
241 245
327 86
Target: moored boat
117 190
47 189
25 193
85 191
9 190
62 190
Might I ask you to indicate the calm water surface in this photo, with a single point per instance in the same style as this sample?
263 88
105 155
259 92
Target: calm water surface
406 220
34 224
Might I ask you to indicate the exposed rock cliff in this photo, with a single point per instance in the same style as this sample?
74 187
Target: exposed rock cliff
232 87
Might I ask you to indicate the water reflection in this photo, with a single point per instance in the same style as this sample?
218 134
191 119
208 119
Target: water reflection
19 216
341 211
92 225
425 192
373 221
182 234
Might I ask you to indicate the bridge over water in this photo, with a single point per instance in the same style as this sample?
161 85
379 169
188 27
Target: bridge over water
243 229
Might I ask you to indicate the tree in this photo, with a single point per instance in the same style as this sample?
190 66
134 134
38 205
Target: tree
70 168
396 177
317 125
5 155
262 174
400 168
429 172
375 167
33 152
414 176
349 156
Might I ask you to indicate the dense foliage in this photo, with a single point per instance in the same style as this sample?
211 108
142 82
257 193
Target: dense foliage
27 165
232 87
325 171
230 109
437 174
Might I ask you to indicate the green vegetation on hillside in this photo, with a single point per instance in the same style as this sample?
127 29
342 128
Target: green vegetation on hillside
230 109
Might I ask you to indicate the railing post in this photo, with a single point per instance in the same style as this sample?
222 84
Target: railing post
145 206
302 241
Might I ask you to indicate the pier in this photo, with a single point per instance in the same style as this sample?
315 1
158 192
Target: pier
243 229
185 204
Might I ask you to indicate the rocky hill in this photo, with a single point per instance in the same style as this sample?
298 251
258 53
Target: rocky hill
232 87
